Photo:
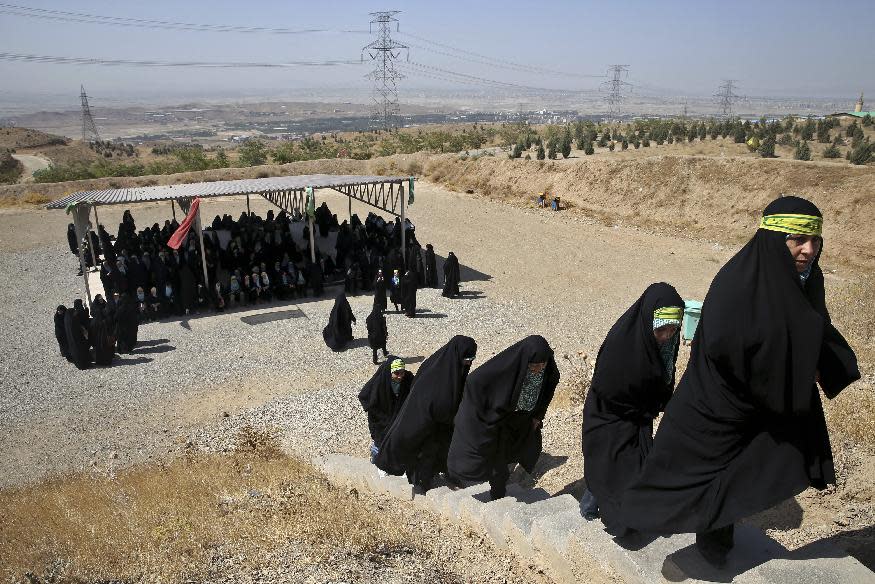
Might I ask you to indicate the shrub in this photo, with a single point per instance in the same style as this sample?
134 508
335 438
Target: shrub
767 148
862 154
252 153
589 150
803 152
540 154
831 151
867 120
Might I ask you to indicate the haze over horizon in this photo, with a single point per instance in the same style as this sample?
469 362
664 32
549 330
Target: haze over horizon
802 49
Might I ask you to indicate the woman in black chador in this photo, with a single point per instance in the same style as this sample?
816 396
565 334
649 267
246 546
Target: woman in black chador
338 332
745 429
633 381
77 339
382 398
378 334
418 441
102 337
408 294
61 332
380 290
452 276
501 414
127 323
431 278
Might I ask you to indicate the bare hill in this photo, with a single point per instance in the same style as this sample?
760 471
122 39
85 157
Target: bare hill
28 138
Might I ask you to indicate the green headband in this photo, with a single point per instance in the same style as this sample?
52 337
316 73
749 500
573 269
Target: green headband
668 313
793 223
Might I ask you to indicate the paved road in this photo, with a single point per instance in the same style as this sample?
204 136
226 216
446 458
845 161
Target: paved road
31 165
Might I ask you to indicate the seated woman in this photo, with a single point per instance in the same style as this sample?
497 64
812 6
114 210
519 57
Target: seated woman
745 429
418 440
382 398
235 292
220 299
154 303
633 381
266 288
501 414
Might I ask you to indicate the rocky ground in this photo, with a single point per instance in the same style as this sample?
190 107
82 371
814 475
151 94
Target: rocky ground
192 383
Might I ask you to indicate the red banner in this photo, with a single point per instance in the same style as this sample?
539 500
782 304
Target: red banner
177 238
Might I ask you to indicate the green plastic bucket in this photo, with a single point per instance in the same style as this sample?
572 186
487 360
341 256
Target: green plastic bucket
692 312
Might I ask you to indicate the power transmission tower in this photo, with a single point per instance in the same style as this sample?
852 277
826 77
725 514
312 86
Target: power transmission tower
89 128
727 96
615 86
383 51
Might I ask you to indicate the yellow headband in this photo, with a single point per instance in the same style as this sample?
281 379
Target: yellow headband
669 313
793 223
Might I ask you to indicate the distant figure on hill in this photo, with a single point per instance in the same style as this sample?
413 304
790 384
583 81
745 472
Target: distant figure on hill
633 381
745 429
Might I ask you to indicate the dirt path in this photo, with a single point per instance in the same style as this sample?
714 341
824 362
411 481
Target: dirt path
31 165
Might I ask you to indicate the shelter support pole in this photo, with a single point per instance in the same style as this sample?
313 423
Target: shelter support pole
200 236
248 212
312 242
82 257
403 225
173 209
349 198
96 218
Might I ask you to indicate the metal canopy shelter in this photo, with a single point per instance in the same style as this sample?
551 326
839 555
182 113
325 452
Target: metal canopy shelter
286 192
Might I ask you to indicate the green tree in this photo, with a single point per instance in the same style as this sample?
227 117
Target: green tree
803 151
252 153
611 145
540 154
807 132
867 120
589 150
767 148
832 151
624 144
738 136
862 154
823 132
851 129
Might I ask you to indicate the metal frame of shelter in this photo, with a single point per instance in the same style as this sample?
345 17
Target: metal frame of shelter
289 193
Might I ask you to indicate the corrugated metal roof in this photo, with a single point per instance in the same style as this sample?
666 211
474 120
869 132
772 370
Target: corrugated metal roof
253 186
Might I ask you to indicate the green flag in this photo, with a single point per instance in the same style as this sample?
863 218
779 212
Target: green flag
410 191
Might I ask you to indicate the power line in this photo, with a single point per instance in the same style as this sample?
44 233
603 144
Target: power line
477 79
383 52
27 58
501 63
80 17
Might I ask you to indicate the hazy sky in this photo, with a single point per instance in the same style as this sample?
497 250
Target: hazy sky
775 47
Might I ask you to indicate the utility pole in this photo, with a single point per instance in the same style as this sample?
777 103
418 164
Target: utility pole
727 96
89 129
383 51
615 86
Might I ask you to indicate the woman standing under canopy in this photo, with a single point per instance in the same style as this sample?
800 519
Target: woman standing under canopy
338 332
380 291
633 381
382 398
745 429
499 420
61 332
418 441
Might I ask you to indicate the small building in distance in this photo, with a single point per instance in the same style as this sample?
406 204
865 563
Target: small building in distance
858 112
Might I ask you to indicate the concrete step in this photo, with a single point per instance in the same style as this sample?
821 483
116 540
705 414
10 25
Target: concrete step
494 512
451 503
517 525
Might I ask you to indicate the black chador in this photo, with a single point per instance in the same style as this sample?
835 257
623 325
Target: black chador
338 332
378 334
499 420
126 325
431 277
745 429
452 276
380 290
61 332
77 339
633 382
418 441
408 294
102 338
382 397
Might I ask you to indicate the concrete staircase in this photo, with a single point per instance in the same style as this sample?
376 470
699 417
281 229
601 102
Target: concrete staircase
549 531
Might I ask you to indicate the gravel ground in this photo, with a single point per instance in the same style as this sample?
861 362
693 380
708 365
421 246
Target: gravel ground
193 383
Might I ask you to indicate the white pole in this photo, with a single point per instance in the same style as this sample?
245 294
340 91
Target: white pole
403 226
200 235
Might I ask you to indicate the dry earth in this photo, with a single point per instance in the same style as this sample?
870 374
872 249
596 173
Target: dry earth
567 276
